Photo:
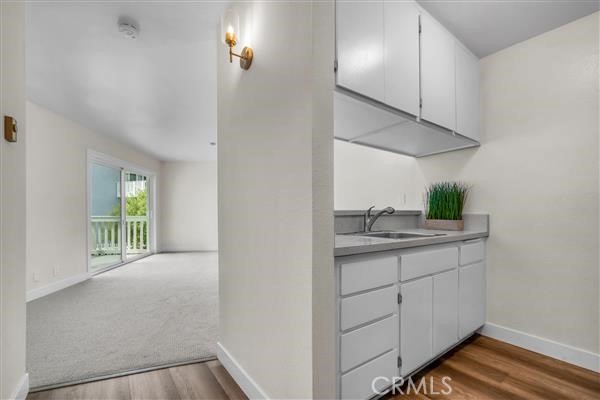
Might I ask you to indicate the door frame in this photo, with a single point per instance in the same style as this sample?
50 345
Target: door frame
96 157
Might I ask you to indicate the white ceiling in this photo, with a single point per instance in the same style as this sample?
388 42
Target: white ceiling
157 92
486 26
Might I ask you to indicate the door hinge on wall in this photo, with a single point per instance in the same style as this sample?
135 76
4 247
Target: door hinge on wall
335 66
399 298
420 29
399 362
420 103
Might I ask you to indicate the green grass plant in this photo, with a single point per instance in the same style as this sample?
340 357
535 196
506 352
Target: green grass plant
446 200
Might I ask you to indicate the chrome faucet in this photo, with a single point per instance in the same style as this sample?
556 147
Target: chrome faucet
370 220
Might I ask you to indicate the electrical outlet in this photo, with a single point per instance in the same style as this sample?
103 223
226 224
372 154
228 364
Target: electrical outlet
403 199
36 276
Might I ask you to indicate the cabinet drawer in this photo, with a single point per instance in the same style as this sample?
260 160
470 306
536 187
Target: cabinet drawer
472 252
368 342
362 308
368 274
414 265
358 384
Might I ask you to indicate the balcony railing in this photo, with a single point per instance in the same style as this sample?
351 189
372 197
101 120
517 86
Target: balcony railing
106 235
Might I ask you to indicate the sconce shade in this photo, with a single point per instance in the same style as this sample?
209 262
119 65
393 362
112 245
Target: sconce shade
230 27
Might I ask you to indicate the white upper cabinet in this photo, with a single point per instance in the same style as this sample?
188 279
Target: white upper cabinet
360 47
401 56
467 93
437 74
417 73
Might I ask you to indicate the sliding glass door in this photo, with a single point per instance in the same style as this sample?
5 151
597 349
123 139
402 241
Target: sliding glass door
105 219
137 219
120 223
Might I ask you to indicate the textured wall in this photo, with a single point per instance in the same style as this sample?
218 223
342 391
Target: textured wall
12 201
275 199
188 206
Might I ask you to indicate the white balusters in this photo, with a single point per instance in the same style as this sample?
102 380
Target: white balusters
106 235
134 242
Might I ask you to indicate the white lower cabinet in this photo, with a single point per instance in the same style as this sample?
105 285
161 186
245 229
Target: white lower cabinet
363 344
471 298
416 323
376 374
399 310
445 310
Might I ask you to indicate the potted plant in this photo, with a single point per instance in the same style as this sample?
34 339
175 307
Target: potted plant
444 203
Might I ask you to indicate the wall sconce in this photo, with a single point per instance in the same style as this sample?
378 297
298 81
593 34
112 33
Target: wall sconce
230 31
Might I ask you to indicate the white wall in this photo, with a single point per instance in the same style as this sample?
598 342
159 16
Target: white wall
12 202
188 206
537 175
57 192
365 177
275 150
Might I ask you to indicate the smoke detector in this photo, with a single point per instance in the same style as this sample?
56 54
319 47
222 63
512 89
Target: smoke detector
128 27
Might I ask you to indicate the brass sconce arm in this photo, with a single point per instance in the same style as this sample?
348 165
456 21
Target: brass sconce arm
245 57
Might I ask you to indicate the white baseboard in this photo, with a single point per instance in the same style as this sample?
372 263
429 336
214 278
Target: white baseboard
56 286
572 355
245 381
20 392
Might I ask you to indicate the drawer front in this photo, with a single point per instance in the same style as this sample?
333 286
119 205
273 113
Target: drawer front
358 384
368 342
472 252
362 308
368 274
414 265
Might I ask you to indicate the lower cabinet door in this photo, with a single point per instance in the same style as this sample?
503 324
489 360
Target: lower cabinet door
471 295
445 310
370 378
416 324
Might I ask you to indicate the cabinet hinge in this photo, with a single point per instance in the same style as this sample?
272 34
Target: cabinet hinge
399 298
420 103
335 66
399 362
420 29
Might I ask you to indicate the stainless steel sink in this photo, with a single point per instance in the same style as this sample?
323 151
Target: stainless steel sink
398 235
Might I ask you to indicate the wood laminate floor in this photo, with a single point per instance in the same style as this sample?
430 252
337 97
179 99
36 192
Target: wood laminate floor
485 368
207 380
481 368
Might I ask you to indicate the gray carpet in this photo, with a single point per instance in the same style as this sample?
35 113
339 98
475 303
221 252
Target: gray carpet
156 311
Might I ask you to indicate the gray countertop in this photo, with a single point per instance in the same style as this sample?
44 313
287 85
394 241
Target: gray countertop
346 245
346 213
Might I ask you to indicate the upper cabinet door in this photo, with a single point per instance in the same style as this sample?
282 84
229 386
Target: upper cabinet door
360 47
467 93
437 74
401 56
